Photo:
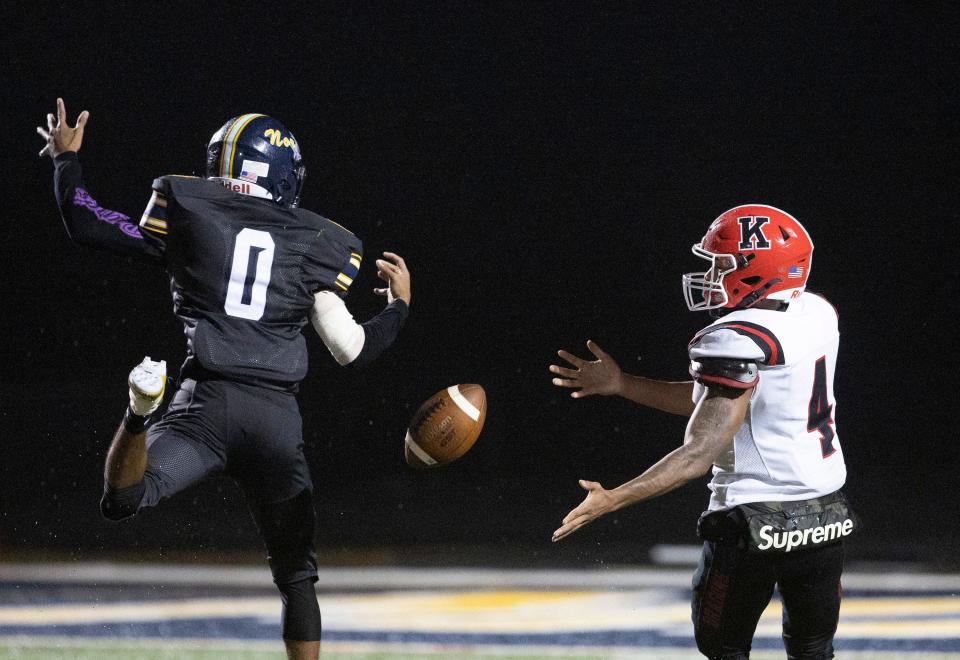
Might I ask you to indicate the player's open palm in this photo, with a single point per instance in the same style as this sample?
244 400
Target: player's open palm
600 376
393 270
60 136
598 502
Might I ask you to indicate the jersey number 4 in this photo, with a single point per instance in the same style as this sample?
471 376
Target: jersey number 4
820 410
249 274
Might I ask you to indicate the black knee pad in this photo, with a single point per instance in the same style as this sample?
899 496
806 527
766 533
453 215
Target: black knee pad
119 503
287 528
301 612
810 649
711 649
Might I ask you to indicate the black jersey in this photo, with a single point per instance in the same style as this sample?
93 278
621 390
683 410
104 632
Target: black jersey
243 272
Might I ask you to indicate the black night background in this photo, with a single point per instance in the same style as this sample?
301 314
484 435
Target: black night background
544 169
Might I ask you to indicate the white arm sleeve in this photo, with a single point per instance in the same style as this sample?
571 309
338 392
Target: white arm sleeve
342 335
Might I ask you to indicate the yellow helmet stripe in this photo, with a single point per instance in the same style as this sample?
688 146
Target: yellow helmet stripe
223 149
230 143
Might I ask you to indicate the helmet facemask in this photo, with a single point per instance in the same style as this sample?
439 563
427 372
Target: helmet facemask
289 187
705 290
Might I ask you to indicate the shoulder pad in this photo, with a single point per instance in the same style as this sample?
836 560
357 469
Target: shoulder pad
339 226
725 372
339 253
162 183
824 299
743 340
350 269
326 224
154 218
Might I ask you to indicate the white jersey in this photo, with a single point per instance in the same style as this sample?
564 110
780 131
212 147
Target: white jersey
787 448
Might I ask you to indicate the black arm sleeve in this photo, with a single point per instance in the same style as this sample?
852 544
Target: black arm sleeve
89 224
380 332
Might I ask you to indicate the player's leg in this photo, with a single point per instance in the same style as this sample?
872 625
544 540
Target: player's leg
267 459
731 589
127 455
810 590
144 467
287 529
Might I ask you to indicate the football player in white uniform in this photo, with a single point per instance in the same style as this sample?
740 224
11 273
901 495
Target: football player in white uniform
761 410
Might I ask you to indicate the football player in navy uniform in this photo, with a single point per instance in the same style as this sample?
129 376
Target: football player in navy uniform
761 411
248 270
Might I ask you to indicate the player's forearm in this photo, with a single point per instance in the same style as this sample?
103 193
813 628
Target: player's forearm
671 397
355 344
672 471
381 331
709 434
86 222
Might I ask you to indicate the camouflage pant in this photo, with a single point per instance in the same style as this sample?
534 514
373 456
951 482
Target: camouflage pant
733 586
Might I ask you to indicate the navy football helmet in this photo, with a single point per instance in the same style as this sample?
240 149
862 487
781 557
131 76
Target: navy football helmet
258 149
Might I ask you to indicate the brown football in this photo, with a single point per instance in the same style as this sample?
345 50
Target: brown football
445 426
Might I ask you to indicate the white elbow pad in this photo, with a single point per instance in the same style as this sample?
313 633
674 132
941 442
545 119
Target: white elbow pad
342 335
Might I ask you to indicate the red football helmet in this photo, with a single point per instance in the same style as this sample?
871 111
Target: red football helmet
755 252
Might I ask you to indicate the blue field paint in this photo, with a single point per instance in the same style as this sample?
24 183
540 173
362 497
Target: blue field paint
256 629
226 628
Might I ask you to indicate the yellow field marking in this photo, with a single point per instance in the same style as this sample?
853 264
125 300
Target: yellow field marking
900 606
507 611
506 599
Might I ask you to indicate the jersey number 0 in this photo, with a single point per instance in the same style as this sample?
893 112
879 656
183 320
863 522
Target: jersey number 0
249 274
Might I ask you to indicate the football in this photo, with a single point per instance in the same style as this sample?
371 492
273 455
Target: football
446 426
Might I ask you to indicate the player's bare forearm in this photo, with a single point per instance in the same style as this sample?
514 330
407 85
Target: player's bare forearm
672 471
709 434
674 397
126 459
603 376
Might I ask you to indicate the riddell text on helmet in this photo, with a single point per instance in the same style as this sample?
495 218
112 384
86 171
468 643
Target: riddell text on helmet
798 538
235 186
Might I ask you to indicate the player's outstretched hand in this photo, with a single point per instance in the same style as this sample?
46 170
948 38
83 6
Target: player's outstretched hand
393 270
600 376
598 502
58 134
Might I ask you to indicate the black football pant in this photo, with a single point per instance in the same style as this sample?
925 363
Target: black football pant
733 586
254 435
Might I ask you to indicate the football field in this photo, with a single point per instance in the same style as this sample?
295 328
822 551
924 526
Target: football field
138 612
